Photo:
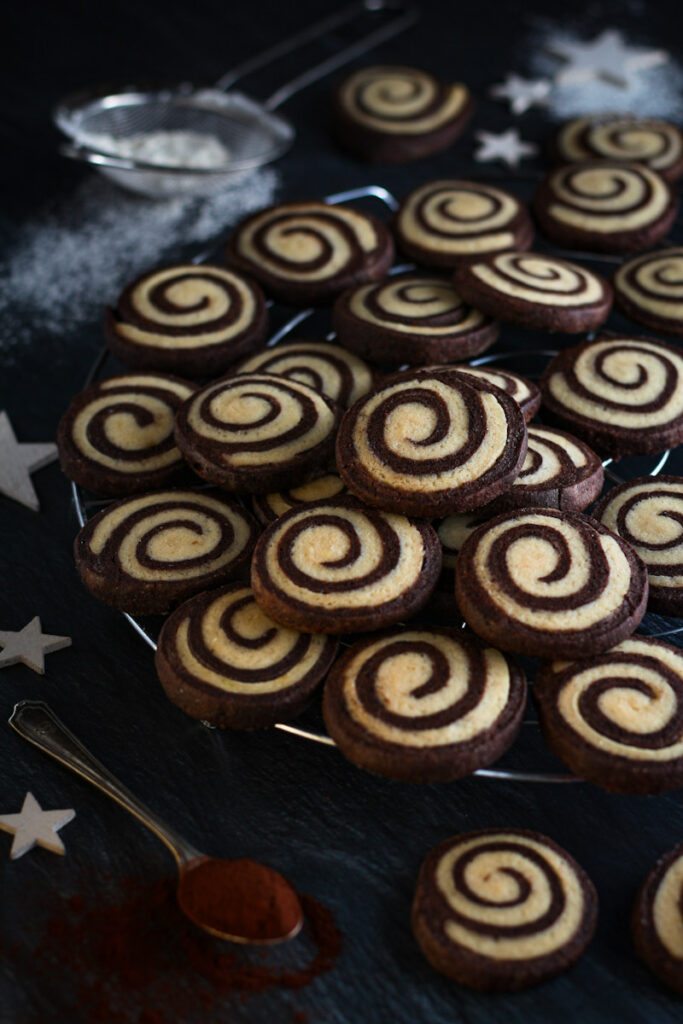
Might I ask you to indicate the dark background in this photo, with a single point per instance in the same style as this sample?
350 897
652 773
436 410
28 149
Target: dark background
353 840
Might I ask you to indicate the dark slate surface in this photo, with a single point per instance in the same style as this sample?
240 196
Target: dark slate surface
353 840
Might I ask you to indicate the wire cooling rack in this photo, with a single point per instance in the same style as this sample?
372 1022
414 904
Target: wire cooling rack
528 361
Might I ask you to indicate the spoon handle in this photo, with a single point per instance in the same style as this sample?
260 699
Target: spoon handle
37 723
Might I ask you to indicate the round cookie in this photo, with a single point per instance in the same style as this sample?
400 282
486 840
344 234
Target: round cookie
186 319
623 395
423 705
306 253
392 114
411 318
337 567
536 290
525 393
448 222
656 144
327 368
605 206
116 437
549 584
220 659
269 507
145 554
649 290
255 433
502 909
431 442
657 920
617 718
454 530
648 514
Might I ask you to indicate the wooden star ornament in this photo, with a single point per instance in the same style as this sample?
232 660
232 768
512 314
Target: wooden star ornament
29 646
18 461
33 826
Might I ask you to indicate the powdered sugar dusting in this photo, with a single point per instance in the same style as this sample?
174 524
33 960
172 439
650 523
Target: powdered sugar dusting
63 266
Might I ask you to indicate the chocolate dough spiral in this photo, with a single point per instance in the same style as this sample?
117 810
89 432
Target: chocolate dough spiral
327 368
411 303
525 392
617 718
401 100
539 279
117 436
555 461
657 144
649 289
269 507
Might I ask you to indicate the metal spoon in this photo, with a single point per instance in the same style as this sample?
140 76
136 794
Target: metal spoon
38 724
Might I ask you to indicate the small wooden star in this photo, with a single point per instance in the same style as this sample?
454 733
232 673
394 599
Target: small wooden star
522 92
506 146
29 646
35 827
606 57
18 461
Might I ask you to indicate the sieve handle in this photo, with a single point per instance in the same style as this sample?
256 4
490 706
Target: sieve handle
403 13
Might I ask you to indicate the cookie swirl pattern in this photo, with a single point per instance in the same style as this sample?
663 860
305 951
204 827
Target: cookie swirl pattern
423 705
401 100
222 660
336 566
649 289
525 393
192 319
116 437
657 922
559 471
501 910
145 554
330 369
657 144
269 507
256 432
549 583
617 718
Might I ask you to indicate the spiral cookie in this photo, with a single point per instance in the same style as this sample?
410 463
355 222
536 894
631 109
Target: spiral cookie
624 395
411 318
445 223
146 554
605 206
648 514
256 433
549 584
431 442
336 566
394 114
657 144
649 289
269 507
538 291
502 909
657 922
309 252
423 705
454 530
330 369
220 659
186 319
116 437
617 718
525 393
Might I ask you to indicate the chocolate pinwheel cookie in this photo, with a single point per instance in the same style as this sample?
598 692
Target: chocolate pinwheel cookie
411 318
657 921
423 705
454 530
623 395
337 567
525 393
502 909
649 290
116 437
654 143
449 222
535 290
327 368
255 433
431 442
648 514
605 206
306 253
549 584
617 718
391 114
220 659
269 507
145 554
186 319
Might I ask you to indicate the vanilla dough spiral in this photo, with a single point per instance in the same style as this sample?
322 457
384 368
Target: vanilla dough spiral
656 144
649 289
327 368
401 100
